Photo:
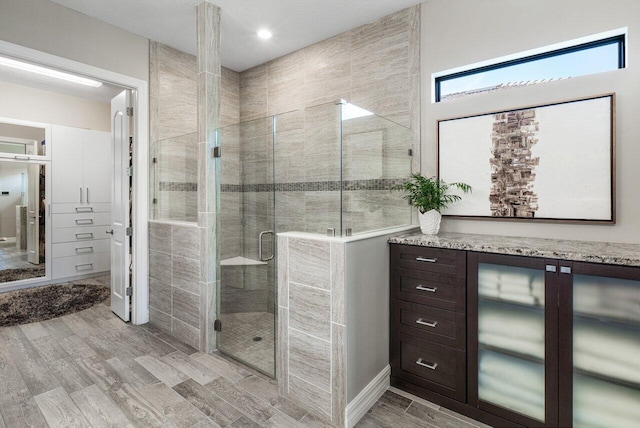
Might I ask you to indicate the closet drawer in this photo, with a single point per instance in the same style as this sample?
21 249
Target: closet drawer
79 234
81 219
433 366
432 289
80 208
429 323
447 262
81 248
65 267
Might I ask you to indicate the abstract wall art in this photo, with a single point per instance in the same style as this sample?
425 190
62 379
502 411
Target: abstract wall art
552 162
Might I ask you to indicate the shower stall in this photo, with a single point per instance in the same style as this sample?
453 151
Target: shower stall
327 169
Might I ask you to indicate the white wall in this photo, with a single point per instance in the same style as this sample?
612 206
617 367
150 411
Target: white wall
11 181
54 29
461 32
23 102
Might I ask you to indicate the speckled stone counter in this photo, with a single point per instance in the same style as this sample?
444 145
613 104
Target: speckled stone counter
582 251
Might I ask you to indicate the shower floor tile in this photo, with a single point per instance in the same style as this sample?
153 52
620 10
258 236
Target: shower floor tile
237 339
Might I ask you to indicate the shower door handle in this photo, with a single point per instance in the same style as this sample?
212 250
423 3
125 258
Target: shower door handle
262 234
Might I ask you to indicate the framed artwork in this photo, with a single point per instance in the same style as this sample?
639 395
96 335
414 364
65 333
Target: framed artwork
552 162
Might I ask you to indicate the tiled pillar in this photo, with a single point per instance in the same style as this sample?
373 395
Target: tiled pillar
311 351
209 77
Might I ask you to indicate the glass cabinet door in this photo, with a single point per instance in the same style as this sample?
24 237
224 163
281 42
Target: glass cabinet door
606 352
511 338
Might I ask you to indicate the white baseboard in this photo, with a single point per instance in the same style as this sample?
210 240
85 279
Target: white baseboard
361 404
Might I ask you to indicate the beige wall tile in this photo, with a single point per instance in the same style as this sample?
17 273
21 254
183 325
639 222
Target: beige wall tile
310 310
186 306
186 274
310 397
253 93
284 74
310 359
309 262
186 241
327 74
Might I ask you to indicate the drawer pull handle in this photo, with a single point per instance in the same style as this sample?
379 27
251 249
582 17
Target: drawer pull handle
422 259
84 221
84 209
85 235
429 289
81 250
427 323
84 264
428 365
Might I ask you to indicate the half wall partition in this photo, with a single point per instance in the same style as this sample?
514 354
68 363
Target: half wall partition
326 169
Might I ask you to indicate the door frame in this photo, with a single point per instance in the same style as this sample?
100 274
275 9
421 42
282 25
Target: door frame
140 99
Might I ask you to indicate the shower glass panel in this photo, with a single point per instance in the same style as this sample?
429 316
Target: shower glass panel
174 178
326 169
375 157
246 295
307 168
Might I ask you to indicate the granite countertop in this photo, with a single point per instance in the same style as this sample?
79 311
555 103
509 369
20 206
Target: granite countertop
583 251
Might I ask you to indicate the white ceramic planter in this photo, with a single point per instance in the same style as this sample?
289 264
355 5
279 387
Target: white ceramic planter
430 222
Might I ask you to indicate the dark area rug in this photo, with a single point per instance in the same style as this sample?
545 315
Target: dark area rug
50 301
8 275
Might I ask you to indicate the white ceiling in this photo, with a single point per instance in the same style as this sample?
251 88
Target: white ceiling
103 94
294 23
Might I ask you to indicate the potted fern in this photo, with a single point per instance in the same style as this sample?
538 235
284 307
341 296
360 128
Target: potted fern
430 196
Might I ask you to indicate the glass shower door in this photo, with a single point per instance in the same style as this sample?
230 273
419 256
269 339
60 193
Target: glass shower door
246 227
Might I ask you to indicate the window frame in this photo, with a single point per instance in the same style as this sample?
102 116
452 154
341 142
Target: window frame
618 37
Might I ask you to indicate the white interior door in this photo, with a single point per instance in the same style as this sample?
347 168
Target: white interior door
120 256
33 214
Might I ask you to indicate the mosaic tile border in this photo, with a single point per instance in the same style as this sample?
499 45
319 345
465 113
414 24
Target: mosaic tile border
307 186
175 186
315 186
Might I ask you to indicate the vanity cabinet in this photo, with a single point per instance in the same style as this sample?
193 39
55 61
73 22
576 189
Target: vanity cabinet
428 346
548 342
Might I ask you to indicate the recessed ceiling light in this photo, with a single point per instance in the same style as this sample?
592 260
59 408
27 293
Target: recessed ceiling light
8 62
264 34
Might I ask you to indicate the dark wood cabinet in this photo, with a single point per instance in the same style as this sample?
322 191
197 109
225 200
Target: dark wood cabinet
517 341
428 340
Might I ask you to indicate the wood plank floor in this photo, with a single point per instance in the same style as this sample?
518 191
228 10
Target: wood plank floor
89 369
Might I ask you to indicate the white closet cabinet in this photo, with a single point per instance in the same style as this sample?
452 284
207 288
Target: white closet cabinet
81 166
81 201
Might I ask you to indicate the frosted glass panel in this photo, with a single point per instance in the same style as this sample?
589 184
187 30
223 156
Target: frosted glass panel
608 297
512 284
511 335
601 404
512 383
511 329
606 346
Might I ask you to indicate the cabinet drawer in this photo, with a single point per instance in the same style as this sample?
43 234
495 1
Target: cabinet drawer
426 322
81 248
432 289
65 267
81 219
447 262
78 234
433 366
80 208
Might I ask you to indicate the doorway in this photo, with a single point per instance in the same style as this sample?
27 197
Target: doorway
137 271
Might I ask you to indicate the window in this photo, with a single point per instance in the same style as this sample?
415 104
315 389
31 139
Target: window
552 63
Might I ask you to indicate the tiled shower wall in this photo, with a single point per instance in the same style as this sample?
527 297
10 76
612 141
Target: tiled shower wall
175 303
375 66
